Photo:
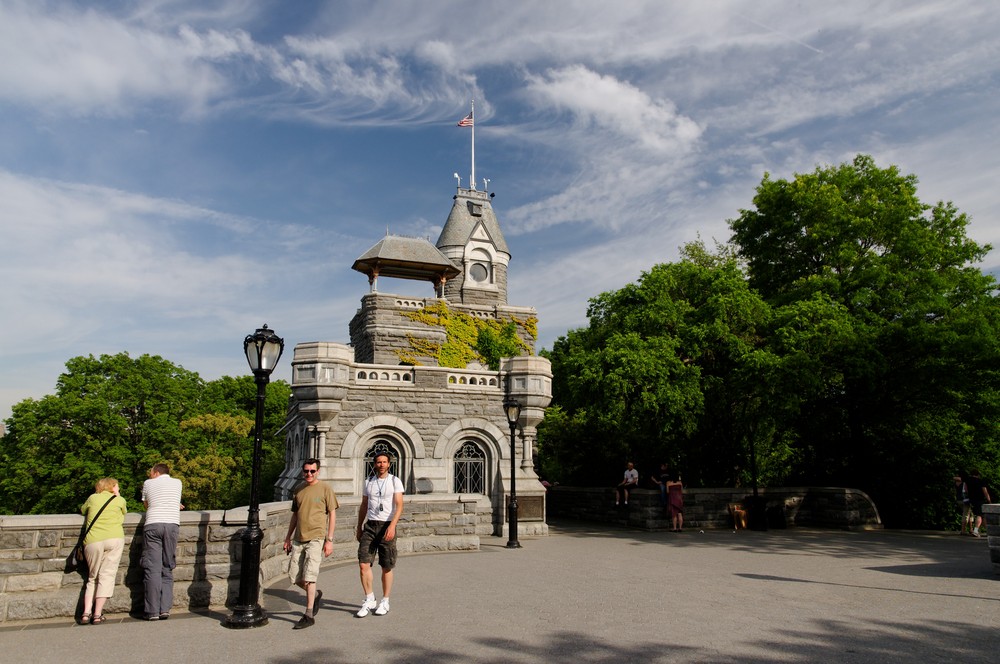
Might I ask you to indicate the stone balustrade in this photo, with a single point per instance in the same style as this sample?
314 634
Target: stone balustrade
33 551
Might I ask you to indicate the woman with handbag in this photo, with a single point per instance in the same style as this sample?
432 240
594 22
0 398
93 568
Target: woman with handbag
104 517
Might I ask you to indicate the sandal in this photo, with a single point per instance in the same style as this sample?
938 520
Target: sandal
98 620
85 619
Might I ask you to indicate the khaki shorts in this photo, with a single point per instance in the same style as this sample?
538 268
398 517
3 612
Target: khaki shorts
305 560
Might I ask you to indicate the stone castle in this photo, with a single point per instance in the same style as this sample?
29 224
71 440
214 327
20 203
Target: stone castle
409 384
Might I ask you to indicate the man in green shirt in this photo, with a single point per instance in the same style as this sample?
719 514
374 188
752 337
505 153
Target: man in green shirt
313 519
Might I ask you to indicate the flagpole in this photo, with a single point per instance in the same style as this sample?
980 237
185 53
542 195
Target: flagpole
472 181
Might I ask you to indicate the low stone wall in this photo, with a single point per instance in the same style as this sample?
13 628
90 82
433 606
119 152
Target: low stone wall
991 518
33 551
826 507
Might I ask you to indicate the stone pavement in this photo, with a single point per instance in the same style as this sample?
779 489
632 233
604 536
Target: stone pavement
592 595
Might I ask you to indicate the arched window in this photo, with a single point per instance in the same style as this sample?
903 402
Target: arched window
384 446
470 469
480 267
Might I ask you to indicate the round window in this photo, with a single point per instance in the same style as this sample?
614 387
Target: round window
478 272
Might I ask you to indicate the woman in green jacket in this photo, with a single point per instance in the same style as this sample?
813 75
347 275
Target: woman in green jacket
103 547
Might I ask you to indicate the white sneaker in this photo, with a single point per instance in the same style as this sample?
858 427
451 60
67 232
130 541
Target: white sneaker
383 607
366 608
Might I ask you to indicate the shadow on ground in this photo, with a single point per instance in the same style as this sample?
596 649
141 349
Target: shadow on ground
828 640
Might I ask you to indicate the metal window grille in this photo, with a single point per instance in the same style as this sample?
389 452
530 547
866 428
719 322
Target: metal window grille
383 447
470 469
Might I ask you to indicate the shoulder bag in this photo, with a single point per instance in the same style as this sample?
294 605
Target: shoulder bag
75 558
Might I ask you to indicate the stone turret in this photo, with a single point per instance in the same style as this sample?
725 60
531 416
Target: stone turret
472 240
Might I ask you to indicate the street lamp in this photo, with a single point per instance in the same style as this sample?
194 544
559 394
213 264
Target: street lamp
513 409
263 350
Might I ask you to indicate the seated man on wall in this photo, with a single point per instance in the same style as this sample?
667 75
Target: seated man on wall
629 482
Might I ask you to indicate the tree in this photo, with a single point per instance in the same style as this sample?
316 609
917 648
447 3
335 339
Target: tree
117 416
213 460
901 401
844 336
659 374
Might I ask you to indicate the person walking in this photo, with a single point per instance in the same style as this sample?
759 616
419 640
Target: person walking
161 494
104 514
381 507
979 494
963 503
314 518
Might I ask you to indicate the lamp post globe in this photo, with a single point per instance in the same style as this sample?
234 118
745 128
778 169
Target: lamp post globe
263 349
512 408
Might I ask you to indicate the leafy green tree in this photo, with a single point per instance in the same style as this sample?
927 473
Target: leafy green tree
110 416
213 462
899 404
844 336
238 397
654 376
117 416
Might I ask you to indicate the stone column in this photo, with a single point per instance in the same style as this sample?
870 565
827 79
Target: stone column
320 446
528 436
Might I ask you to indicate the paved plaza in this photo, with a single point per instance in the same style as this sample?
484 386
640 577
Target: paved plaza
593 595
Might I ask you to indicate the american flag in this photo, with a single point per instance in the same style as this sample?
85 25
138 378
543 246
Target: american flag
467 121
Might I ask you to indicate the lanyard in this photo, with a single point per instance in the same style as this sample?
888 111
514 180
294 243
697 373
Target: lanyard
381 486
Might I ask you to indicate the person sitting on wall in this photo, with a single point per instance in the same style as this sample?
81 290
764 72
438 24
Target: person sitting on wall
630 481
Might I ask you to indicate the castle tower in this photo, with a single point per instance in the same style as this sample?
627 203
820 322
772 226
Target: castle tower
412 383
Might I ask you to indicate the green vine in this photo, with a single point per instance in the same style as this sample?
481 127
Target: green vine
468 339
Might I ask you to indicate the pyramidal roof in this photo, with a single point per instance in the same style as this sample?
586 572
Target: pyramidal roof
405 258
470 210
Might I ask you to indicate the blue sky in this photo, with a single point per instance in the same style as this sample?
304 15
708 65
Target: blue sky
175 173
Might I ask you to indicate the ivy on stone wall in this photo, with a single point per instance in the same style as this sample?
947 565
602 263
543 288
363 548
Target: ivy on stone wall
468 339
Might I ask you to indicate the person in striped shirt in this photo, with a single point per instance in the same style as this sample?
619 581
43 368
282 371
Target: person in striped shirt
161 494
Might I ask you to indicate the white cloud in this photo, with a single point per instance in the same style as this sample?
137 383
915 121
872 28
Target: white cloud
142 138
87 254
86 61
605 103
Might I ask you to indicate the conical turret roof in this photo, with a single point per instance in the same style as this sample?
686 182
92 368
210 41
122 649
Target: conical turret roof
470 209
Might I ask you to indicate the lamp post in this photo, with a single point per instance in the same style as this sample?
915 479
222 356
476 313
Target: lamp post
513 409
263 350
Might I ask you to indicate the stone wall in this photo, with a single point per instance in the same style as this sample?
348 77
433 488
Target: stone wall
381 331
826 507
991 518
33 550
